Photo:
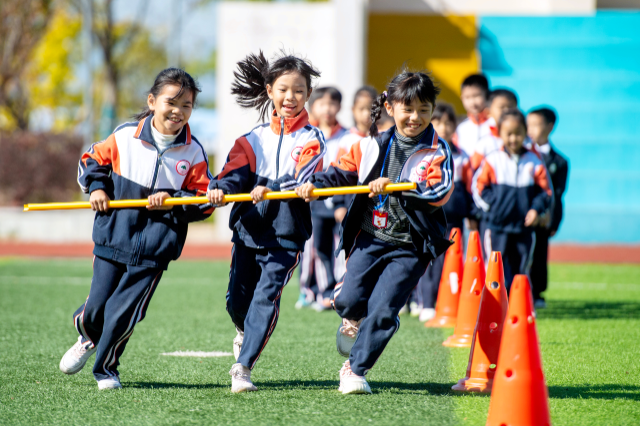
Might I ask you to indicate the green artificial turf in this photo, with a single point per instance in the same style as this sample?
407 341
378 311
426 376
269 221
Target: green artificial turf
589 338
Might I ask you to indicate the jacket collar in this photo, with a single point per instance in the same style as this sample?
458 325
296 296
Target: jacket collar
481 118
291 124
429 139
143 132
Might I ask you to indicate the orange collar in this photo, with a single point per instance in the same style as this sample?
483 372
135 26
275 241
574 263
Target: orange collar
291 124
481 118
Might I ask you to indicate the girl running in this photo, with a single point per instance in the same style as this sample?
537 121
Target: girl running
268 236
390 238
155 157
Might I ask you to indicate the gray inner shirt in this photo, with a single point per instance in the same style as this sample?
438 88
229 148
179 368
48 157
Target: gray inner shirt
397 230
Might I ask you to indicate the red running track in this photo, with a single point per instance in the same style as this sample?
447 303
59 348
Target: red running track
557 252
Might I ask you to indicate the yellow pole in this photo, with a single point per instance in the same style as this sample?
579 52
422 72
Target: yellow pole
232 198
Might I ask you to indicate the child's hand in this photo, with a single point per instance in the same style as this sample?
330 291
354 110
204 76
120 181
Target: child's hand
258 193
156 200
216 197
377 186
99 201
339 214
531 219
304 192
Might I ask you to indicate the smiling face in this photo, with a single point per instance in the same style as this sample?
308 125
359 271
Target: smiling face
473 99
170 114
289 94
412 119
512 133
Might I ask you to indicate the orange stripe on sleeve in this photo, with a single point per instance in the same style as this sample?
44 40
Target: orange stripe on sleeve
197 178
240 155
541 178
434 177
476 160
105 153
350 161
467 176
486 178
309 151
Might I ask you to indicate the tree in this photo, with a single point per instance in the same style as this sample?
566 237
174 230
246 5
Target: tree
22 25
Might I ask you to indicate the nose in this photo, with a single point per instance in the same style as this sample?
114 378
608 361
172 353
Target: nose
415 115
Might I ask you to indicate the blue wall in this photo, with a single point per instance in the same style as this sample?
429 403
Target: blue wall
588 69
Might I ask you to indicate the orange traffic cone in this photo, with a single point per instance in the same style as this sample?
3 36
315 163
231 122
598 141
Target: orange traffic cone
520 394
486 336
473 279
449 289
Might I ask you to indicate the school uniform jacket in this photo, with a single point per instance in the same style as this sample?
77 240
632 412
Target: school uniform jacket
129 165
470 131
429 165
325 208
558 168
280 155
461 204
506 187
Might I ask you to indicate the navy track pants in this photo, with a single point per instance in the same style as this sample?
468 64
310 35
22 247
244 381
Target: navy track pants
253 299
517 252
539 266
318 261
430 282
117 301
379 278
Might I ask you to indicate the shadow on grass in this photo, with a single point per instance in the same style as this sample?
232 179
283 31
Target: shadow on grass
606 391
376 386
165 385
578 309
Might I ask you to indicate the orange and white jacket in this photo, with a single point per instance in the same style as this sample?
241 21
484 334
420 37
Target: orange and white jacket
129 165
280 155
430 165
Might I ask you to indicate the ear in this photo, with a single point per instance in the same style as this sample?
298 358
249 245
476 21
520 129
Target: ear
389 108
270 91
151 102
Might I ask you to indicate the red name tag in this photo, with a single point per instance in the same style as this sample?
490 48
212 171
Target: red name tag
380 219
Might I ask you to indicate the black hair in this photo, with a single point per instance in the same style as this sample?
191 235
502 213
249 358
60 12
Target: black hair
443 109
405 87
168 76
255 72
503 93
318 93
513 113
547 113
365 91
477 80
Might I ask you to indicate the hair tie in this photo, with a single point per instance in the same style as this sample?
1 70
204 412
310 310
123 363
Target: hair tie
385 94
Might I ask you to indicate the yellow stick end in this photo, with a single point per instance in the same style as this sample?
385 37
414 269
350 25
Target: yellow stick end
26 207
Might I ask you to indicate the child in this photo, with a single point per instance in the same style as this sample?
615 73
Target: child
154 158
267 235
317 278
474 94
459 207
512 187
500 100
540 123
390 238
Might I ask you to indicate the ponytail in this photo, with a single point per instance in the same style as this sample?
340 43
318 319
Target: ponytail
255 72
376 112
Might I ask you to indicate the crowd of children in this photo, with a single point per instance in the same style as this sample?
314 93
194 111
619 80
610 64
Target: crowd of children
362 255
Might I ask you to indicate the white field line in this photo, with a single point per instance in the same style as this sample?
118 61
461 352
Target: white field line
44 280
198 354
593 286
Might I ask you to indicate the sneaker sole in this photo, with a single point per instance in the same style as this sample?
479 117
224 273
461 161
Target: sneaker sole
357 391
109 387
243 390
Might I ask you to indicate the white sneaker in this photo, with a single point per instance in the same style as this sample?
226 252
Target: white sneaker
237 343
426 314
76 357
350 382
241 379
110 383
346 336
415 309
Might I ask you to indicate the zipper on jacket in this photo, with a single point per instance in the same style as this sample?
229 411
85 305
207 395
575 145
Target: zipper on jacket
279 145
155 173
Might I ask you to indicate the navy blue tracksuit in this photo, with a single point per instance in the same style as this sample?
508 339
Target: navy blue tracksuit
380 276
253 299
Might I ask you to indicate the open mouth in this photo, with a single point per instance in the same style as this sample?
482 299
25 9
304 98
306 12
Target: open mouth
174 120
288 108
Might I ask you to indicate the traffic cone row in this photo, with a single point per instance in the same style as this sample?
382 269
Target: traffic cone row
505 355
